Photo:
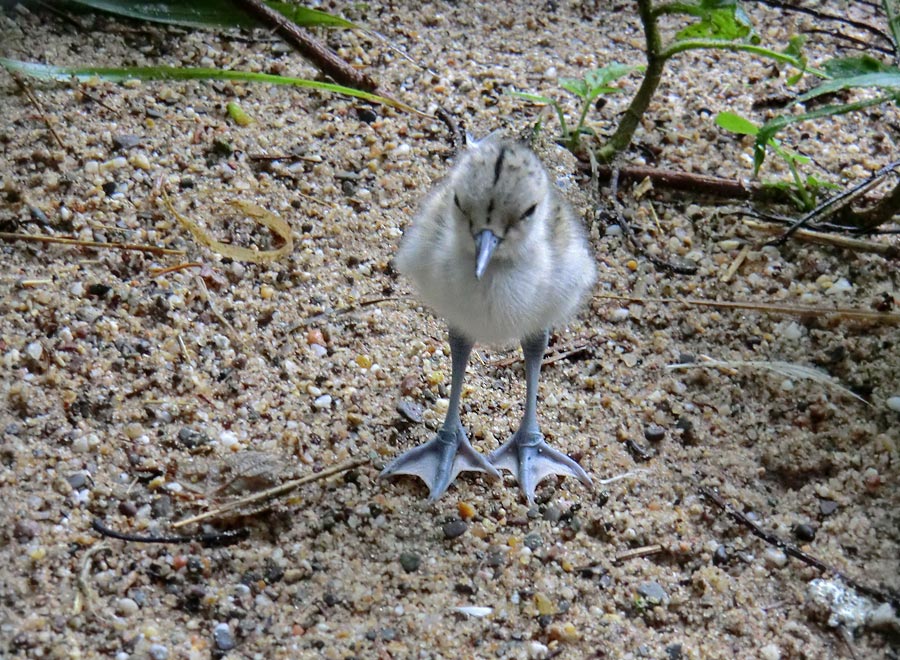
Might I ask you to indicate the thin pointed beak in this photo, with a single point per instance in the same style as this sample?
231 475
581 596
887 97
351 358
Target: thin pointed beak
485 243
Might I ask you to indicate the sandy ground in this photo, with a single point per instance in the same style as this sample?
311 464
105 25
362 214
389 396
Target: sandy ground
139 398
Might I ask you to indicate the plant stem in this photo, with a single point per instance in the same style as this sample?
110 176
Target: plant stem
656 61
720 44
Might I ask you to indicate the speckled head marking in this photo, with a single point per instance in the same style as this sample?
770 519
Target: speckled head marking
499 186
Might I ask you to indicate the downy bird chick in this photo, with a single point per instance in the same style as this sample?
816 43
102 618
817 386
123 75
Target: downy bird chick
498 253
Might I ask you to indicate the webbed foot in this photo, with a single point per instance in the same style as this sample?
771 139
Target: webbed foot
531 460
440 460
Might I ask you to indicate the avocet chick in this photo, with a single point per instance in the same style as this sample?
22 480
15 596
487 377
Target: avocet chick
498 253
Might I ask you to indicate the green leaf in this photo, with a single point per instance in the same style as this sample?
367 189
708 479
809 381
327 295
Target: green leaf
65 73
884 80
534 98
736 124
846 67
718 23
578 87
207 13
603 76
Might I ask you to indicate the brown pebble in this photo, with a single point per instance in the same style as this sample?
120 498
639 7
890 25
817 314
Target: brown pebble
25 530
128 508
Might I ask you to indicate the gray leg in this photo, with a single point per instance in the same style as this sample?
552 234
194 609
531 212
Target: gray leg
438 461
526 454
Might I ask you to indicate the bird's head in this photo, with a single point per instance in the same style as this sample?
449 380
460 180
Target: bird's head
499 199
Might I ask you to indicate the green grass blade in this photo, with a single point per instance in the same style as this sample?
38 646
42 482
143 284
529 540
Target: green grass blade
208 13
892 11
63 73
882 80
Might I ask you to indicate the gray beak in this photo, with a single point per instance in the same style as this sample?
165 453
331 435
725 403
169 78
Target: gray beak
485 243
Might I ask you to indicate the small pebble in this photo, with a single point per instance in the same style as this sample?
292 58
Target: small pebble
893 403
827 507
775 558
34 350
537 651
653 593
720 556
25 530
674 651
410 561
466 510
770 652
223 637
654 433
543 604
126 607
323 402
128 509
123 142
77 479
158 652
410 411
228 439
533 541
552 513
454 528
805 532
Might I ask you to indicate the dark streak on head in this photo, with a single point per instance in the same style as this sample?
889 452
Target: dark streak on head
528 212
456 201
498 166
490 209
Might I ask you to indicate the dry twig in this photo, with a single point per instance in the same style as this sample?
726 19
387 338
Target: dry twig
321 56
271 493
795 552
768 308
35 238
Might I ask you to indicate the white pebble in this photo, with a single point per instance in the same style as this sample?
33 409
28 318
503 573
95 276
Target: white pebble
91 167
550 73
403 149
787 385
319 350
228 439
841 286
114 164
770 652
619 314
34 350
613 230
536 650
893 403
793 331
126 607
322 402
775 558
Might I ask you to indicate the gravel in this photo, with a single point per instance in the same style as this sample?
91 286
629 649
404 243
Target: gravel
153 374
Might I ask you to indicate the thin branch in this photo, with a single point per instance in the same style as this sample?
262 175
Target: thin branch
886 250
35 238
824 16
768 308
214 538
793 551
271 493
37 106
321 56
836 203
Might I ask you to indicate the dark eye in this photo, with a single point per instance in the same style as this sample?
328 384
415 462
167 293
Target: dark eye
528 212
456 201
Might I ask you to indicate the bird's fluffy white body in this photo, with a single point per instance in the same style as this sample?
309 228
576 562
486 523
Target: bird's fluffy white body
539 272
